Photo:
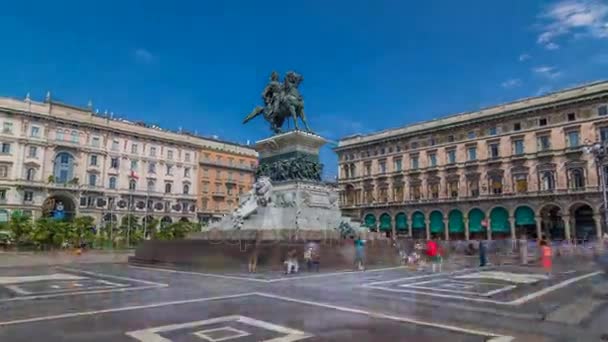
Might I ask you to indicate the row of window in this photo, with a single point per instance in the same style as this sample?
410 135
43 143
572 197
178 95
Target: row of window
230 175
576 181
219 160
219 189
73 136
491 131
151 185
115 164
518 148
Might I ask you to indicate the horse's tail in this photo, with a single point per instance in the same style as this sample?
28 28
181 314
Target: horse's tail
256 111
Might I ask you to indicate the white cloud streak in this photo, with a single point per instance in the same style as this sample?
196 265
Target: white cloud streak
547 72
511 83
144 56
524 57
573 17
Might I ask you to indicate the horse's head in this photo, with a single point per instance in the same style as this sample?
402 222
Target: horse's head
293 78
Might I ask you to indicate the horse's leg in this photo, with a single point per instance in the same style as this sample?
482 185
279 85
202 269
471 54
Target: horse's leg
303 116
294 115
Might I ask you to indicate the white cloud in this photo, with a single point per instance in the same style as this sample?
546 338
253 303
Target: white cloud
547 72
543 90
573 17
144 56
511 83
524 57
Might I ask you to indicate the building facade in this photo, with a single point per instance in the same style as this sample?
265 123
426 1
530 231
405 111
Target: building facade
515 169
56 158
224 174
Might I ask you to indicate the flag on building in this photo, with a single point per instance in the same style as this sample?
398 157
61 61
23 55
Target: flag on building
134 175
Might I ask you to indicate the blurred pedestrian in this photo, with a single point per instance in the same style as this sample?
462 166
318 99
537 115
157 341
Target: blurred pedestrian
292 262
482 254
432 251
308 258
546 257
360 253
523 250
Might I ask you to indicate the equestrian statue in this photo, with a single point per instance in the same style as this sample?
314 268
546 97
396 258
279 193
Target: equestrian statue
281 101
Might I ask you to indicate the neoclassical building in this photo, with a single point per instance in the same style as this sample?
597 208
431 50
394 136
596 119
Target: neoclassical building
501 172
55 156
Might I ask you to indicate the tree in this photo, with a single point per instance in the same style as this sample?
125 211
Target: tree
49 233
83 232
130 230
20 227
177 230
150 227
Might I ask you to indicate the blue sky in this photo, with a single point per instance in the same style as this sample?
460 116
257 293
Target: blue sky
367 65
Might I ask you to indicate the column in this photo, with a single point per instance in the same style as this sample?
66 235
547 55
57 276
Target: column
428 229
598 226
446 229
409 229
511 221
539 230
489 227
567 227
393 229
512 225
466 228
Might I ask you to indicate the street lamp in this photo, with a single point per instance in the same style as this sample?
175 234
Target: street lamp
600 155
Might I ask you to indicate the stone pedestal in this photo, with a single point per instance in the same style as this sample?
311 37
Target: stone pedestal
289 194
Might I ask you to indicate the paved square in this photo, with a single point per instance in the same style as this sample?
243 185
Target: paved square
508 286
239 317
52 282
484 289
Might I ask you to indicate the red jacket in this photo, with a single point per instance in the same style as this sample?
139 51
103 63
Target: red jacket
431 248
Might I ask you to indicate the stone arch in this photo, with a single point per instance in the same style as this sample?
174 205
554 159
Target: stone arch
385 222
184 219
436 225
369 220
401 222
476 217
165 221
552 224
418 224
456 224
60 206
524 221
582 223
499 222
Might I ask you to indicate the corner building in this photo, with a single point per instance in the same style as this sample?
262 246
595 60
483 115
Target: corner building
57 155
501 172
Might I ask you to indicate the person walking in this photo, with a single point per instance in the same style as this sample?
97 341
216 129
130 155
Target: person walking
308 258
546 257
432 251
292 262
359 253
316 259
523 250
482 254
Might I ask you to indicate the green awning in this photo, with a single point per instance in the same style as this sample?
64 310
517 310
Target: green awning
418 221
401 221
524 216
370 221
385 222
475 218
436 225
499 220
455 222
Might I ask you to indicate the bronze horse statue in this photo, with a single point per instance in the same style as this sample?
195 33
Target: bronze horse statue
281 101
